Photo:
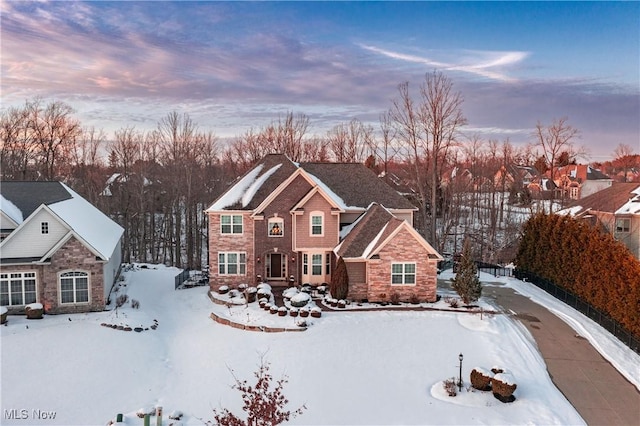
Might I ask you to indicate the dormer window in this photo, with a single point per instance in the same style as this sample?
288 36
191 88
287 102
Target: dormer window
276 227
44 227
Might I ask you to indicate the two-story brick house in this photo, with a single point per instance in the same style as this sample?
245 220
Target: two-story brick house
283 220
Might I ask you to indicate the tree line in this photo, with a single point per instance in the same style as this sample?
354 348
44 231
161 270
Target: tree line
157 183
585 261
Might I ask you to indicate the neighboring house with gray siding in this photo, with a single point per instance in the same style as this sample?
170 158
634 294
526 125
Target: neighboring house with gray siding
57 249
283 219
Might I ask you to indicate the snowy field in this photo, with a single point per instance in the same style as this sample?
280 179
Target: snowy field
356 368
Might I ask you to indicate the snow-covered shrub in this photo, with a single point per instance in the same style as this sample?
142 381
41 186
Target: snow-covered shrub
264 286
34 310
450 386
175 415
293 312
223 289
316 312
282 311
503 387
243 286
342 303
300 300
144 411
481 379
233 293
264 292
251 294
304 312
290 292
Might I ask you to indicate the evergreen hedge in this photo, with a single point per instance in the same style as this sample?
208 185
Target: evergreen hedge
585 261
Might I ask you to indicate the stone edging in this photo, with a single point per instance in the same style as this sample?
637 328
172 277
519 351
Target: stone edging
263 328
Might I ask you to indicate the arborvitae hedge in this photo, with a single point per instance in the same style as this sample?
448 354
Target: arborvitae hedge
339 286
589 263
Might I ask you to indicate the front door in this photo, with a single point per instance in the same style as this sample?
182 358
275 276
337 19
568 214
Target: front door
275 270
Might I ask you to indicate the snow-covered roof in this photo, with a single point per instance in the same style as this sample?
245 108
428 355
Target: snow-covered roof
336 199
633 205
89 223
570 211
238 190
11 210
257 184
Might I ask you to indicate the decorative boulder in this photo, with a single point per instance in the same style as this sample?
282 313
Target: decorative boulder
34 311
300 300
481 379
503 387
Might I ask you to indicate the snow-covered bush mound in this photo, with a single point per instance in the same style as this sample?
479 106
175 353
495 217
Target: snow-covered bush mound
300 300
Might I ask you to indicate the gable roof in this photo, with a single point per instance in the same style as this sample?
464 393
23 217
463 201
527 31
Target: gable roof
373 230
349 185
614 199
254 186
85 220
367 232
356 185
28 196
581 173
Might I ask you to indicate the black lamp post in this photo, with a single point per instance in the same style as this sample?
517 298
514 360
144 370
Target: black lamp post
460 377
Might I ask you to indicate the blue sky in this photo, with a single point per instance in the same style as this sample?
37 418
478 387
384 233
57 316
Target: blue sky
236 65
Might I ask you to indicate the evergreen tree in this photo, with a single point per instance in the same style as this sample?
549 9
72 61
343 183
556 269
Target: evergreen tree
340 280
466 282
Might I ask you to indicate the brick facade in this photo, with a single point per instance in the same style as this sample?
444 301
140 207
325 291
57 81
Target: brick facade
402 249
219 242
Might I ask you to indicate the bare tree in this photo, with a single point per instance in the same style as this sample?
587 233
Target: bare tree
348 142
553 139
624 159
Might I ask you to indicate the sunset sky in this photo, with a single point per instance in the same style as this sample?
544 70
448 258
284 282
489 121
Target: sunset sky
236 65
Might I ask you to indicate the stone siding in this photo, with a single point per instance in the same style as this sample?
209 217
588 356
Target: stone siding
72 256
403 248
231 242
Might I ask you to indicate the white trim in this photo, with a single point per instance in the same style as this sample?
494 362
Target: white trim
75 290
403 274
316 213
22 278
231 224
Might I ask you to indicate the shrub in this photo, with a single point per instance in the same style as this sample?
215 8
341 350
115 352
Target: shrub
414 299
263 404
395 298
466 282
340 280
135 304
503 387
452 301
450 386
481 379
121 300
300 300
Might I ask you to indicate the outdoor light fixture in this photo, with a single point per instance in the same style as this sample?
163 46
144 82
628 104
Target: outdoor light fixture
258 259
460 357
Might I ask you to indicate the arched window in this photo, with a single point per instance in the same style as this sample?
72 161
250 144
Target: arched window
74 287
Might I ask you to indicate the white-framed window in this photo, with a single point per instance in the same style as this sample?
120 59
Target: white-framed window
275 227
44 227
316 264
623 224
317 224
231 224
17 288
403 273
74 287
232 263
328 264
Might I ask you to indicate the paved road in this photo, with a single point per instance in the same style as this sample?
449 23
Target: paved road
598 391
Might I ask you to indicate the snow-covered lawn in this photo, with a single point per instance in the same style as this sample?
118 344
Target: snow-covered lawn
348 368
